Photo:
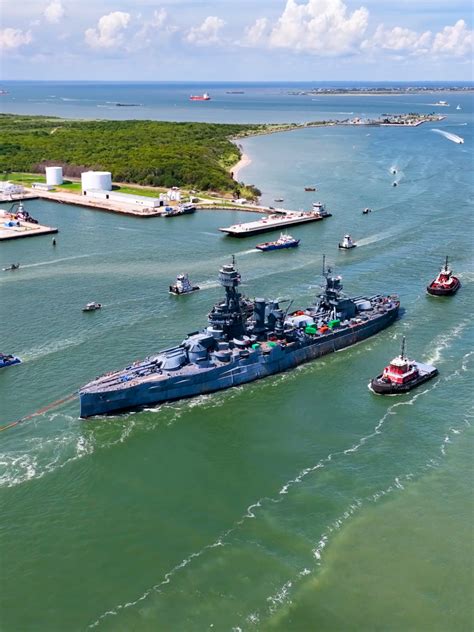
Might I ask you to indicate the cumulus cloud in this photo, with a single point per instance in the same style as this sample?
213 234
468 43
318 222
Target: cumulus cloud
454 40
158 18
207 32
11 39
109 31
54 11
398 39
323 27
256 34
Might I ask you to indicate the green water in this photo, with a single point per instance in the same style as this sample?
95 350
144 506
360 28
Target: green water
300 502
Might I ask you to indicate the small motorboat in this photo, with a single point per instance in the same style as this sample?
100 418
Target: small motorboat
284 241
366 211
401 375
458 107
445 283
183 285
92 307
54 241
182 209
394 184
347 243
7 359
14 266
310 189
394 171
279 200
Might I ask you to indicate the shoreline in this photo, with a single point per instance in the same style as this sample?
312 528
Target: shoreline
244 161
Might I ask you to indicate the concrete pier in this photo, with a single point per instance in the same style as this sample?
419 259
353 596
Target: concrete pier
25 229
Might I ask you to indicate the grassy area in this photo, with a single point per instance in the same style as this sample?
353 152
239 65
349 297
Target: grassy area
149 153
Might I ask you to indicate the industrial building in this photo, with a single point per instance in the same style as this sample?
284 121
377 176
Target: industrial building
125 198
42 186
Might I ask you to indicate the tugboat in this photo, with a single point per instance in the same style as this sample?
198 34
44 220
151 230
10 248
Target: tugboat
6 359
445 283
283 241
92 307
14 266
182 209
183 285
347 243
366 211
234 349
401 375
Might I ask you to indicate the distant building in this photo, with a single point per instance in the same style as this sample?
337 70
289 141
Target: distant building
42 186
96 180
142 201
8 188
174 194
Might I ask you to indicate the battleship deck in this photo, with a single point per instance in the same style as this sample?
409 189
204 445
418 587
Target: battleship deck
273 222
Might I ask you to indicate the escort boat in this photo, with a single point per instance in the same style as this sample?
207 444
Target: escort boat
283 241
183 286
445 283
6 359
366 211
13 266
401 375
243 341
347 243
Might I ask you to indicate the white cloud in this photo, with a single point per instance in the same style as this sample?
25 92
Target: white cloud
398 39
54 11
207 32
454 40
109 31
159 18
257 33
323 27
11 39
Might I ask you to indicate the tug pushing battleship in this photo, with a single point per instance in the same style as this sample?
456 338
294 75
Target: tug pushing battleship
243 341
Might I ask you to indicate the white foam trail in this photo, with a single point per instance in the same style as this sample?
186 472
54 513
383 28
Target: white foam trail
53 261
443 341
375 238
454 138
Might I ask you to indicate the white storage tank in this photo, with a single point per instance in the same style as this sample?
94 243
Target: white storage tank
101 180
54 175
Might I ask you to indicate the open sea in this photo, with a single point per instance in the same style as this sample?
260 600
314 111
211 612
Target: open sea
302 502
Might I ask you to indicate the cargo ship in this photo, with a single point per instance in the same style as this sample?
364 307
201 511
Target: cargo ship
200 97
242 342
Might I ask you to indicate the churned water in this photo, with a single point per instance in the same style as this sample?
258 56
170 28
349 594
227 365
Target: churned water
300 502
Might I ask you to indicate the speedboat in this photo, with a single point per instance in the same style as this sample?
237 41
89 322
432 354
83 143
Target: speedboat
183 285
6 359
284 241
14 266
366 211
401 375
92 307
445 283
347 243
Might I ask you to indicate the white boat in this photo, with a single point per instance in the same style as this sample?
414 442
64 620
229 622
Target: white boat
442 103
347 243
92 307
458 107
183 285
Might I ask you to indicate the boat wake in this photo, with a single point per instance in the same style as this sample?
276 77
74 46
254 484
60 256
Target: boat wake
53 261
454 138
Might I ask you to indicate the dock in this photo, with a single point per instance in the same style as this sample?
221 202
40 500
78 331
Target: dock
276 221
24 229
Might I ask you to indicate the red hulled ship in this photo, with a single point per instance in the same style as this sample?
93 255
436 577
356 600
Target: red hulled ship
445 283
200 97
401 375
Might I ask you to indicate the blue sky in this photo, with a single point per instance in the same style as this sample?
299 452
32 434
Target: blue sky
253 40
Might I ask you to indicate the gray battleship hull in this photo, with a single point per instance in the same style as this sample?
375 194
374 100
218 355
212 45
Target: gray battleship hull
253 366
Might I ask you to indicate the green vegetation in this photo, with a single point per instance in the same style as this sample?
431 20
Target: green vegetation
150 153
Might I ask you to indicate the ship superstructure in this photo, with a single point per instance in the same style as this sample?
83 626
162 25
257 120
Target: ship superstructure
243 341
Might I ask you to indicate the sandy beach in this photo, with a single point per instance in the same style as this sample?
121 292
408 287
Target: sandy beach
243 162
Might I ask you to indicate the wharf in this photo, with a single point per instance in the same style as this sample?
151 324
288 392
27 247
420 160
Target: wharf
18 197
25 229
99 204
275 222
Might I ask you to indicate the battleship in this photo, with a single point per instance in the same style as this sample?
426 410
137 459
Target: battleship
240 345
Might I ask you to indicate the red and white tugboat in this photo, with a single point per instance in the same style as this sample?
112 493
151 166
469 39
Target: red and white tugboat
445 283
401 375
